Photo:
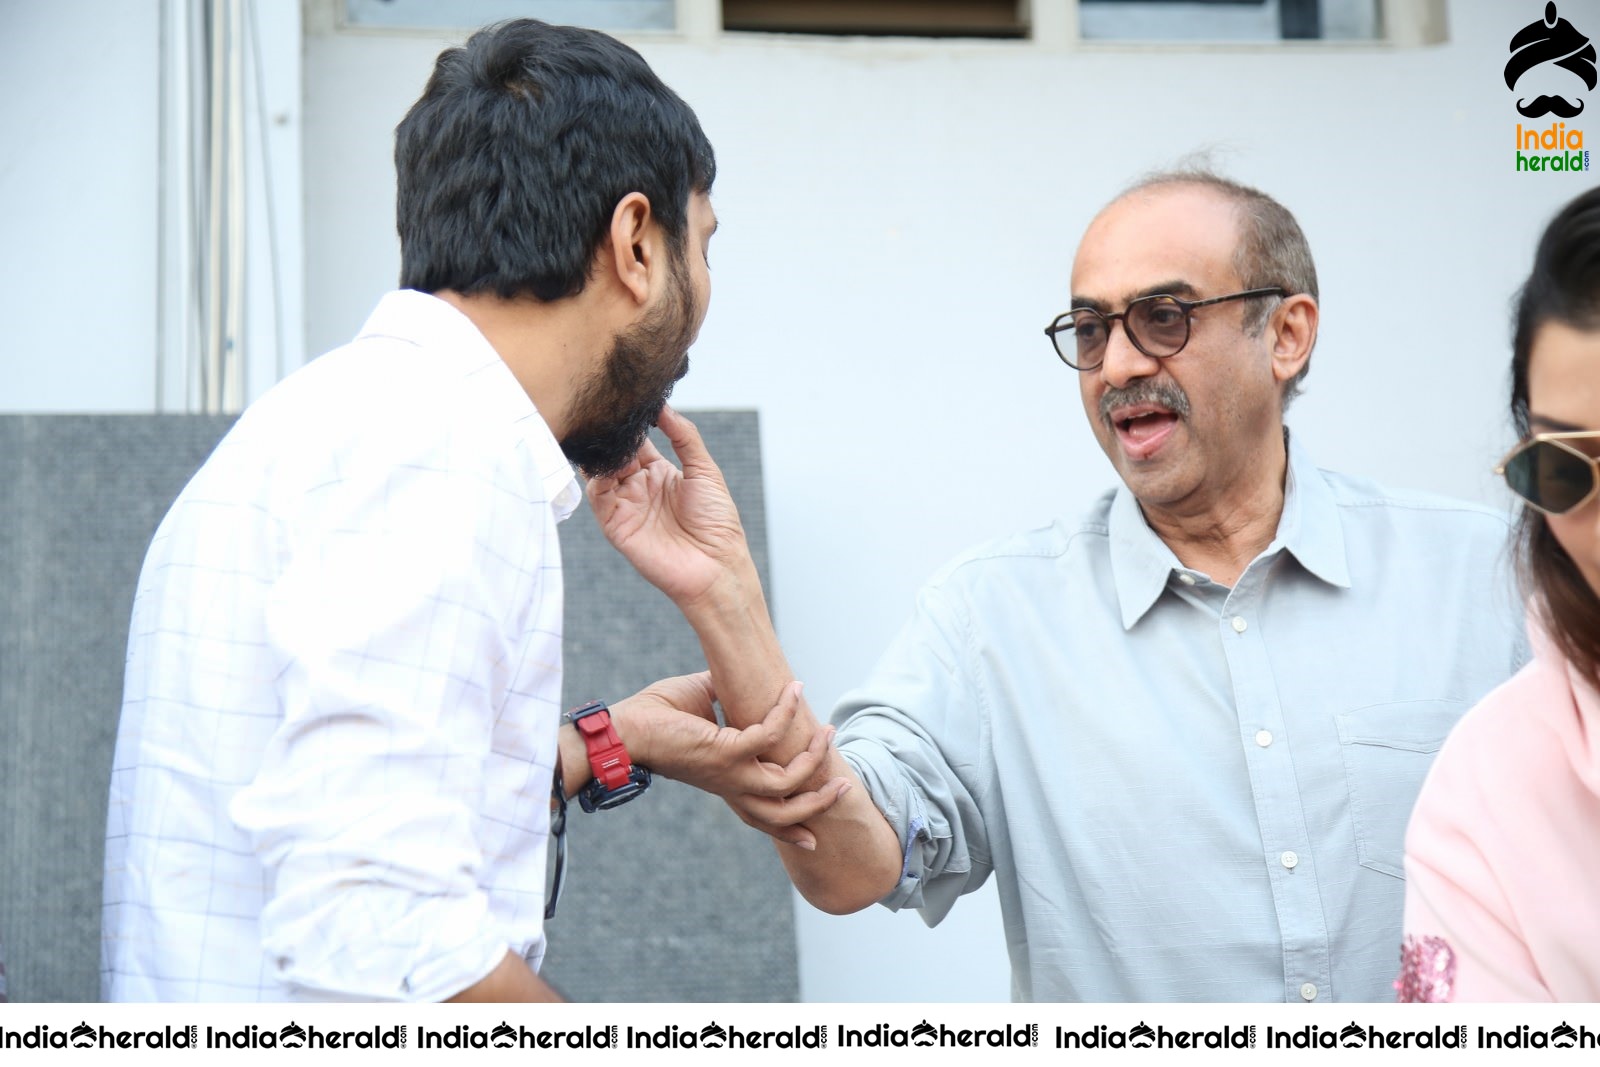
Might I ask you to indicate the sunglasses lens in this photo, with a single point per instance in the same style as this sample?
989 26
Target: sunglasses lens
1549 477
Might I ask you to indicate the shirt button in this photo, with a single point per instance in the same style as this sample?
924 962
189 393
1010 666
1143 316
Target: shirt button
1185 578
1239 624
1290 860
1308 991
1263 738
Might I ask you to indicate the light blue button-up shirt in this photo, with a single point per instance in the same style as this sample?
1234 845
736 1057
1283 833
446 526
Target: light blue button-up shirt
1187 792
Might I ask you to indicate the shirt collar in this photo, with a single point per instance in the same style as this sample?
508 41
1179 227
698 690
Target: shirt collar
431 323
1309 529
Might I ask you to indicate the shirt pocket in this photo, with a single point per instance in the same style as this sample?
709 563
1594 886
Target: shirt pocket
1387 749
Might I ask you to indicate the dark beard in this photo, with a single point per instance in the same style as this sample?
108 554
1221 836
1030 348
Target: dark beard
613 412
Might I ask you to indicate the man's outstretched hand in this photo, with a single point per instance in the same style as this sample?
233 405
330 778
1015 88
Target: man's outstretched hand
671 727
679 528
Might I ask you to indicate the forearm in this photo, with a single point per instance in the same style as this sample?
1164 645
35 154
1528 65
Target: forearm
512 981
857 856
748 665
857 859
682 532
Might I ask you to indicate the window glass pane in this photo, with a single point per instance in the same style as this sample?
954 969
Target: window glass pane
457 14
907 18
1228 20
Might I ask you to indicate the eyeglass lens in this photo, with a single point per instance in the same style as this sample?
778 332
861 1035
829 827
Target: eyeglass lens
1157 326
1549 476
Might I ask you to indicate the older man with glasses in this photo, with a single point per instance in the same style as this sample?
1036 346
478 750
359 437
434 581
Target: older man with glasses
1185 731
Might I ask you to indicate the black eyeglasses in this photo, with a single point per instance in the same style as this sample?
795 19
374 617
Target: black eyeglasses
555 846
1551 474
1157 325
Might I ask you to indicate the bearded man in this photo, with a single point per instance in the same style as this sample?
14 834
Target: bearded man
339 737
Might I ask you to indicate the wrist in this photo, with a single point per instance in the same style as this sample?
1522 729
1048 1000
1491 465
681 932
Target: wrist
574 757
732 620
615 774
734 590
631 718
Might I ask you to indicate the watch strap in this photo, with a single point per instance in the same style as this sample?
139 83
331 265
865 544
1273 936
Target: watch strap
608 756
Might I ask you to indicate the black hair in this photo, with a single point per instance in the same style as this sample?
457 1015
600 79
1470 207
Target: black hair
512 162
1563 287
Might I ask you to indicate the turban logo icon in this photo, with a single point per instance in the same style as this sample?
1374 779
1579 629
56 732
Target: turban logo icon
1556 41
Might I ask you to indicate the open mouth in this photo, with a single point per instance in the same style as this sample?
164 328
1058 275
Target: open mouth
1143 428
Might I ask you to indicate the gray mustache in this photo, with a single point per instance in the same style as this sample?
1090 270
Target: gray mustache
1165 393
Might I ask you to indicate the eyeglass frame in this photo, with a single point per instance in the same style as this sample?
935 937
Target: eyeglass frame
1056 328
1559 440
557 838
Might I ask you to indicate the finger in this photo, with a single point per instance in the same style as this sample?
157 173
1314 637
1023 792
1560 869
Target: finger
700 696
798 836
772 780
737 745
599 487
760 736
802 807
785 780
693 694
690 447
648 454
609 483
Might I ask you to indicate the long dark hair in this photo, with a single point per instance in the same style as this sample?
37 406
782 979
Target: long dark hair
1564 287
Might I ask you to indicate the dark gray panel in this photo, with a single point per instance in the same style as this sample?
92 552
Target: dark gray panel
81 498
671 898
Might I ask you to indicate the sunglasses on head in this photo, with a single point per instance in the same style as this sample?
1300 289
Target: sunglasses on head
1551 473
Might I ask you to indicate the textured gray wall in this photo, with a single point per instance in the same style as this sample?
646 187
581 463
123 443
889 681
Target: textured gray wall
669 898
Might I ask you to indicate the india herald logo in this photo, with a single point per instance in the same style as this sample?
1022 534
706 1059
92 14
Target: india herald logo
1557 42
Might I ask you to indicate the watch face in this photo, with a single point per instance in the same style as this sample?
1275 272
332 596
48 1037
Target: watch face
619 796
596 797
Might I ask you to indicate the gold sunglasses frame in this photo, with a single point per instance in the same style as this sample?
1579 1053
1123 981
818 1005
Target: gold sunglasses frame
1560 441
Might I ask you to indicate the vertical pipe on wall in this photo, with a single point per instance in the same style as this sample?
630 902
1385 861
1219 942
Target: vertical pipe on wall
211 306
231 356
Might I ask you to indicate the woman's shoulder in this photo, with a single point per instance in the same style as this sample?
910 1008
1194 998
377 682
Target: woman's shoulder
1518 734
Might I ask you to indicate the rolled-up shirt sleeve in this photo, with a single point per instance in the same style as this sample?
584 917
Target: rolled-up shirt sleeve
916 734
396 618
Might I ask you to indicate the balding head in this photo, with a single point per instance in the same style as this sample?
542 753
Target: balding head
1270 248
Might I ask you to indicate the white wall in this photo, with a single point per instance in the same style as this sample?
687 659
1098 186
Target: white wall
898 221
78 194
83 195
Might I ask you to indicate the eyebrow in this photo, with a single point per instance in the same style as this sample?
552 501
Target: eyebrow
1175 287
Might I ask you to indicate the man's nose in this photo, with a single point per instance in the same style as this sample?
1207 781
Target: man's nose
1123 361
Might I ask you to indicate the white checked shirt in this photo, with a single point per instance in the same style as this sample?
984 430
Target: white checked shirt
333 767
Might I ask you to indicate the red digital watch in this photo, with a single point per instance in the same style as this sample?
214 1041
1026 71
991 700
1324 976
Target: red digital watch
617 779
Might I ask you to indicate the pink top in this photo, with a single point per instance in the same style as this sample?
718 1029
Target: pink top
1503 850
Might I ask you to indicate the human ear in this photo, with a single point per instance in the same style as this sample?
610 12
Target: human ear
1293 329
633 244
